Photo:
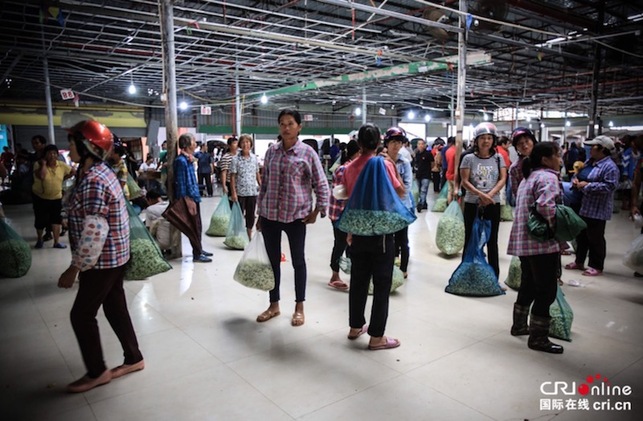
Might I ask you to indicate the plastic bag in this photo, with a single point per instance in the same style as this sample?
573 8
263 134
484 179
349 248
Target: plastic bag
15 252
254 269
345 265
474 276
146 258
220 219
514 277
633 258
562 317
132 186
397 281
237 235
374 208
449 236
441 202
506 213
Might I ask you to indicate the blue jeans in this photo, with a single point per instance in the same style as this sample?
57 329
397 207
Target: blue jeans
424 188
296 232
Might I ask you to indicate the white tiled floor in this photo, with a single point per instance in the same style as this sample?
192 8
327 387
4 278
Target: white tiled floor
207 358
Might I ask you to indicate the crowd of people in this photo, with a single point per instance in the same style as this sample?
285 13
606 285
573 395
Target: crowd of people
291 190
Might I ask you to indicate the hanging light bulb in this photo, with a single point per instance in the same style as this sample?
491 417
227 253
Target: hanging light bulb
611 124
264 99
427 118
568 123
132 88
358 111
411 115
183 106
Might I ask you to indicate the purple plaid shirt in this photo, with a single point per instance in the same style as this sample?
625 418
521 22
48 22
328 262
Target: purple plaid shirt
598 195
287 183
515 175
542 187
99 193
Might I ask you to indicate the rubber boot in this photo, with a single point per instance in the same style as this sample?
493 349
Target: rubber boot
520 320
538 335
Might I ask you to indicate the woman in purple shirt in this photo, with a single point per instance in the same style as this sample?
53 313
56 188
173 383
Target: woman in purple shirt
539 261
292 170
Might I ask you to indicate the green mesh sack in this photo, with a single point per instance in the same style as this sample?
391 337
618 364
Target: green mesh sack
146 258
441 202
220 219
562 317
506 213
237 235
15 252
515 272
449 235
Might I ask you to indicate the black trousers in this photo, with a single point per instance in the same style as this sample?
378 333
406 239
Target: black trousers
402 247
489 212
248 206
592 240
102 287
371 257
538 282
436 177
207 180
296 233
339 247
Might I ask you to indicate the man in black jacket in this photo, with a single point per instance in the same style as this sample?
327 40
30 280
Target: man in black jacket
423 162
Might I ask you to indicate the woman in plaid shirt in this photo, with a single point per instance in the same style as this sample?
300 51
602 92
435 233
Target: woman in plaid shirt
335 210
292 170
539 260
99 239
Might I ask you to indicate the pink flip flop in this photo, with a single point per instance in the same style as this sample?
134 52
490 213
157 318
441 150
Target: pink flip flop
389 344
592 272
362 331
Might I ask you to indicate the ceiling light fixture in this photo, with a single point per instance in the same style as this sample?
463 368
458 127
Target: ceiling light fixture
411 115
427 118
568 123
264 99
132 88
183 106
358 111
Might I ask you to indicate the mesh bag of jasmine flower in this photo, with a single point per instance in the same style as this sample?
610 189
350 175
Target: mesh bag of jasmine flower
146 258
515 273
562 317
449 236
254 269
374 208
132 186
474 276
237 236
441 202
14 252
220 219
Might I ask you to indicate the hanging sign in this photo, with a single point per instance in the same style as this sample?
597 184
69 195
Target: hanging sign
382 111
308 117
205 110
67 94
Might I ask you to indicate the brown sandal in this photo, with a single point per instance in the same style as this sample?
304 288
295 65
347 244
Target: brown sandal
267 315
298 319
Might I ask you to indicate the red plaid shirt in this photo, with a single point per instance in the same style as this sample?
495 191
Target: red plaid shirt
99 193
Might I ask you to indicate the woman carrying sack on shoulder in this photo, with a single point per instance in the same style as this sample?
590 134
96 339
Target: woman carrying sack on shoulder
371 256
483 174
539 260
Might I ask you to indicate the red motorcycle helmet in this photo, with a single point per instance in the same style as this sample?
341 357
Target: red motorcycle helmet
96 137
396 133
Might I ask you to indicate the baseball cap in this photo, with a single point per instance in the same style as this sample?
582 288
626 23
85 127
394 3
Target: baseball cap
604 141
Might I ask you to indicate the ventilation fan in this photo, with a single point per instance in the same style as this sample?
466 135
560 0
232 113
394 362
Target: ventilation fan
492 9
436 15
